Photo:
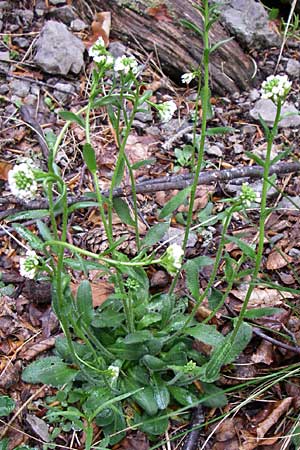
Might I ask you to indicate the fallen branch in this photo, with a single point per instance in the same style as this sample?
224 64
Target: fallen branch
176 182
192 439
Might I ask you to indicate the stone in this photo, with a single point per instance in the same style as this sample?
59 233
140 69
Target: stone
20 87
21 42
254 95
30 100
177 235
293 68
248 129
286 204
1 25
4 56
68 89
248 20
4 89
146 116
78 25
238 148
117 49
58 51
214 150
26 15
5 5
65 14
267 110
58 2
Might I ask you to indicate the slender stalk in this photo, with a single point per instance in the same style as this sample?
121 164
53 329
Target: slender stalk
262 219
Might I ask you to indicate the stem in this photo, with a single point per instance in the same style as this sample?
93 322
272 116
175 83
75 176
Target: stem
262 219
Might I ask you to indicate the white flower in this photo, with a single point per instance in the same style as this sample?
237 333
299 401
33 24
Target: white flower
172 259
126 64
115 371
276 88
100 55
166 110
22 182
29 264
248 195
188 77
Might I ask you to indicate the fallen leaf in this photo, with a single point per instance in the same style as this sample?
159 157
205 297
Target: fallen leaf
261 297
160 13
39 427
277 260
30 351
264 353
5 167
100 28
101 290
135 441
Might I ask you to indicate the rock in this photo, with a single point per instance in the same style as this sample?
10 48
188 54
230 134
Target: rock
58 51
35 89
248 20
20 87
30 100
144 116
4 56
4 89
65 14
238 148
117 49
78 25
58 2
26 15
267 110
214 150
254 94
63 97
248 129
5 5
286 204
1 25
21 42
178 234
293 68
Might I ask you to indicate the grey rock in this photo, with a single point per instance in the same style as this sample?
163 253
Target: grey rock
5 5
1 25
30 100
286 204
35 89
177 235
4 56
213 150
16 100
248 20
20 87
254 95
25 14
154 130
78 25
39 12
294 252
58 51
58 2
21 42
65 14
144 116
293 68
117 49
238 148
235 187
248 129
63 97
10 110
4 89
267 110
139 125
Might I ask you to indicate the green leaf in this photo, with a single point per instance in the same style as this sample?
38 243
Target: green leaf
146 95
174 203
108 319
113 99
217 397
161 392
191 26
51 370
89 157
123 211
138 337
7 405
218 44
81 205
35 242
84 301
156 426
215 298
153 363
155 234
192 267
255 313
255 158
246 248
206 333
142 163
218 130
183 396
27 215
44 231
71 117
4 444
240 342
265 126
210 113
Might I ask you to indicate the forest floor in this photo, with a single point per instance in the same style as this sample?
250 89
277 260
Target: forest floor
261 414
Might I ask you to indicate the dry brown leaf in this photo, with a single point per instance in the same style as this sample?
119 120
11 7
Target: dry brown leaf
135 441
101 290
160 13
264 353
277 260
5 167
100 28
261 297
30 351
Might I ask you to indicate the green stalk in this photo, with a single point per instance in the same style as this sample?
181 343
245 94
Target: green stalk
262 220
205 99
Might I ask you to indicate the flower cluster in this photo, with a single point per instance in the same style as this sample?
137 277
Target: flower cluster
22 182
166 110
100 55
126 64
29 264
186 78
172 259
276 88
248 195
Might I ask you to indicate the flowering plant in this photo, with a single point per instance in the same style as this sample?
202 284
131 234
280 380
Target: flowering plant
276 88
22 181
29 265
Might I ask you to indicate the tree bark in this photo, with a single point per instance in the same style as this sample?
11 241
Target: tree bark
178 49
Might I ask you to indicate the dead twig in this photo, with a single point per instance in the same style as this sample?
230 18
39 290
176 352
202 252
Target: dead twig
192 439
